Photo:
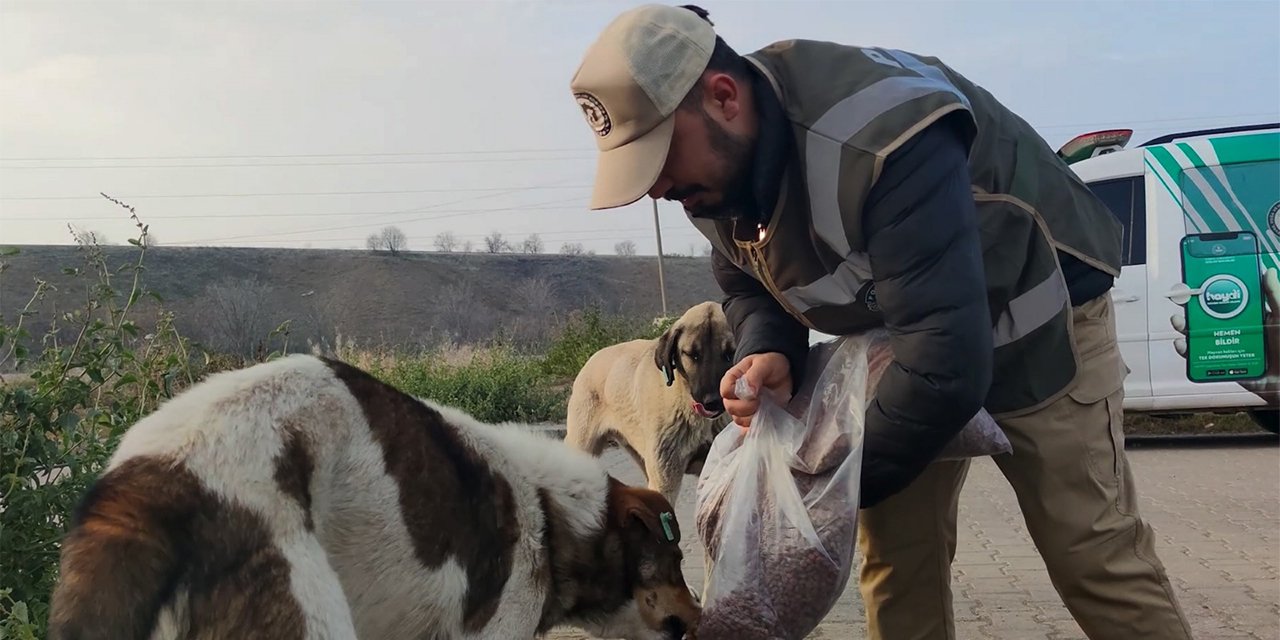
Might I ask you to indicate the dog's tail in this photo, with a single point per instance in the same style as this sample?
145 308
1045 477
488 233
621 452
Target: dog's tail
121 558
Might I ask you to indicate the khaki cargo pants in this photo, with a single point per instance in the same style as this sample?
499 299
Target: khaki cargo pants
1077 496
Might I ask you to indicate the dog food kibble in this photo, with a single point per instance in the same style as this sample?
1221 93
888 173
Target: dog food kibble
780 547
787 587
777 507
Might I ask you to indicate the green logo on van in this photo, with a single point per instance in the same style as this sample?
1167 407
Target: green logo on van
1223 296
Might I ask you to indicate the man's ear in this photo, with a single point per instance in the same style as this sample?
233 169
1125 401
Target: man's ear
725 94
664 353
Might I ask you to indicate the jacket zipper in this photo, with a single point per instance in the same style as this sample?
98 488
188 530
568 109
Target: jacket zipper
757 261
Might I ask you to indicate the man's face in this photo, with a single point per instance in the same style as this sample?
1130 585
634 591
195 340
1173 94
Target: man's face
708 168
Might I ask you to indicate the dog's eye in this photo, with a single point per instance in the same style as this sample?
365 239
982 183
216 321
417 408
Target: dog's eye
693 355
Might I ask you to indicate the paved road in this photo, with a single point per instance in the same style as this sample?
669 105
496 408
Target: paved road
1216 512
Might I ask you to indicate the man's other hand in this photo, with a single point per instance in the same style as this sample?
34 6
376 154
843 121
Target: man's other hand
770 372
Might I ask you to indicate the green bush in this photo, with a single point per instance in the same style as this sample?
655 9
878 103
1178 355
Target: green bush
97 372
589 331
494 384
497 383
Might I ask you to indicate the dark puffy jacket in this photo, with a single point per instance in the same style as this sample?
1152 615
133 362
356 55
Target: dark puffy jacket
896 214
923 243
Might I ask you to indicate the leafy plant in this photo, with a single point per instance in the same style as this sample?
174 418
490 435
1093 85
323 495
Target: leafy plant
98 371
589 331
493 384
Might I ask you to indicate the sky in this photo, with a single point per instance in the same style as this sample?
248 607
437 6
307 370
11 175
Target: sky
279 123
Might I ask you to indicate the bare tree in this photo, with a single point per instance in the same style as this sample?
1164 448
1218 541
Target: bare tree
236 315
394 240
625 248
536 295
461 313
318 314
706 250
532 244
446 241
572 249
390 239
469 246
536 300
495 243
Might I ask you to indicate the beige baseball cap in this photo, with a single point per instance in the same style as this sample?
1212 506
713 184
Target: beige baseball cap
630 82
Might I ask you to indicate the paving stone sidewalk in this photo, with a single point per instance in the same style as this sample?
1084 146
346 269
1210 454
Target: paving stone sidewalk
1215 510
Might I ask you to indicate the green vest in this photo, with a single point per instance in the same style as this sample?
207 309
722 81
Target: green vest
850 108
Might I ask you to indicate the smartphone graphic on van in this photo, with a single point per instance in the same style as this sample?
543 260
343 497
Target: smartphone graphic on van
1225 339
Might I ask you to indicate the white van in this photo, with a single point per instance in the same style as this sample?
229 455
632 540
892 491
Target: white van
1208 184
1184 199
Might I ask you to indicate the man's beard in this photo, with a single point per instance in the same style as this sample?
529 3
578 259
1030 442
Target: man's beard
738 198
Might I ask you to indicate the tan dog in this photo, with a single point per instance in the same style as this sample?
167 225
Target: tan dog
658 399
304 499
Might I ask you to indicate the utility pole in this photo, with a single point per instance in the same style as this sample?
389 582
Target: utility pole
657 230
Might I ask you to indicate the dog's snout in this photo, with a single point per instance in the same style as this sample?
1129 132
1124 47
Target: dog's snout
714 404
674 627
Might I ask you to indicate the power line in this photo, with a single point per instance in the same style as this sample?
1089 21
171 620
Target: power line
303 193
383 222
406 211
224 216
305 155
300 164
475 152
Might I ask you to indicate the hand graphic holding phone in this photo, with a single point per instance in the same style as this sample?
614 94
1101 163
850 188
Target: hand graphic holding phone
1267 385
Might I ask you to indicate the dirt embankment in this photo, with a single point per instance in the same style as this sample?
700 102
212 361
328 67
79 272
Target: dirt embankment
226 297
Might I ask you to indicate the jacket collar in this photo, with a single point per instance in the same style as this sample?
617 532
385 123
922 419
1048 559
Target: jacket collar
773 147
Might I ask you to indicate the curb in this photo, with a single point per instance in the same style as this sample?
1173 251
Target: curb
1131 441
1263 438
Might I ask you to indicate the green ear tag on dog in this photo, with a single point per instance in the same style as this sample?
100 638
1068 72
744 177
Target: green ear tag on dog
666 525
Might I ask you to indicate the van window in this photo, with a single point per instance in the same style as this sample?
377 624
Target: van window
1126 197
1239 196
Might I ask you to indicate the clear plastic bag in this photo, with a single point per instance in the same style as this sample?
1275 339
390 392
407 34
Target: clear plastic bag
777 508
777 504
981 436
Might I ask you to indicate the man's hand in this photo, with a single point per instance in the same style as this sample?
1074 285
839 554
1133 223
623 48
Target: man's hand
1268 386
770 372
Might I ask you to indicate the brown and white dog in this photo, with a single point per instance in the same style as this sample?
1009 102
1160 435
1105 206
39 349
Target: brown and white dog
303 498
665 418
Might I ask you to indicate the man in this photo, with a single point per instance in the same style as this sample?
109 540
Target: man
845 188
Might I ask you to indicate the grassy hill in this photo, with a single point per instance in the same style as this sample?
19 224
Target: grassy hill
231 298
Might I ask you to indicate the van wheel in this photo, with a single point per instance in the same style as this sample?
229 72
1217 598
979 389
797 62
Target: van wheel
1268 419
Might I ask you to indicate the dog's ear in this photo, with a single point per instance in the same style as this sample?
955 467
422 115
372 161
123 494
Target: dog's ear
633 506
664 353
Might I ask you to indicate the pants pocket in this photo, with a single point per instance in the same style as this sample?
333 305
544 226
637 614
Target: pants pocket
1099 392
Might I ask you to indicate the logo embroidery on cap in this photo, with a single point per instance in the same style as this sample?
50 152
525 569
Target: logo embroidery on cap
595 113
1273 218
